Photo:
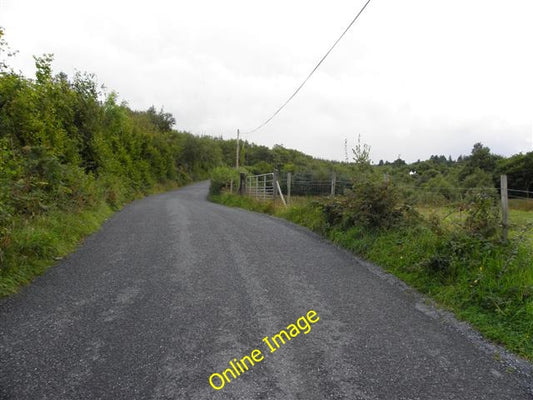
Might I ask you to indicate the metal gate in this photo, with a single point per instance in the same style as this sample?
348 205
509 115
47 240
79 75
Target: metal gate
260 186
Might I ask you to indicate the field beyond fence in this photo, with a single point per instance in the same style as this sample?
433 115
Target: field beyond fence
453 244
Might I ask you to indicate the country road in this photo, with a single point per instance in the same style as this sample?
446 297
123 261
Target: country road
173 288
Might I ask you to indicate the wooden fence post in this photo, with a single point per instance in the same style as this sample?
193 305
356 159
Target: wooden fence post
333 183
242 183
289 182
505 206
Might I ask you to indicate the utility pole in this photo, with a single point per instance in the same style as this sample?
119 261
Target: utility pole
237 159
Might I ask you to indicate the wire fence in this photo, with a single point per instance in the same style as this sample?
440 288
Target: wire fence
309 187
264 187
441 202
457 195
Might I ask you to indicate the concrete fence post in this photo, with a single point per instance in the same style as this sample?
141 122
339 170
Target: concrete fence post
289 182
505 206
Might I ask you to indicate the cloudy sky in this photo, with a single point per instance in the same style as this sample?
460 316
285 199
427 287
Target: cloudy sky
413 77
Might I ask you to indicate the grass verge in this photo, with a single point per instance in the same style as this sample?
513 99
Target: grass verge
37 243
487 283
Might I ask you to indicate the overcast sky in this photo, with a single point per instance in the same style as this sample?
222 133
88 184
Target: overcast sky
413 77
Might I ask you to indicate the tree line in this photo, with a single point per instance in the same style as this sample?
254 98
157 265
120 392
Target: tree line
65 144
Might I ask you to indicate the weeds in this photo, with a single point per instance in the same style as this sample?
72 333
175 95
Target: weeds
460 262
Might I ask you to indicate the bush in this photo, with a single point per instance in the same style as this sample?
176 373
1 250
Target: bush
483 214
113 190
221 178
371 203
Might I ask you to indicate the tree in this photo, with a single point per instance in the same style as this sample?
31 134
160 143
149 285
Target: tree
480 158
519 171
4 49
261 167
361 154
164 121
43 67
478 179
361 158
399 163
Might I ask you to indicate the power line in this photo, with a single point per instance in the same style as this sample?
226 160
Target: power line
312 72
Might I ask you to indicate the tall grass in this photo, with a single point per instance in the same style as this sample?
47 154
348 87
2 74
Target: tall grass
36 243
485 282
40 242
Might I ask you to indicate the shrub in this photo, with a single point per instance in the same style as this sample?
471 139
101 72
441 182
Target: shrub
371 203
113 190
483 215
221 178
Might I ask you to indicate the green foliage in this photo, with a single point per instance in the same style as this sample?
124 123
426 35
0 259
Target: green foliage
34 245
199 155
43 66
371 203
162 120
361 156
61 143
436 190
483 214
5 52
221 178
477 178
261 167
488 283
66 149
460 262
69 156
449 254
308 214
248 203
480 159
518 169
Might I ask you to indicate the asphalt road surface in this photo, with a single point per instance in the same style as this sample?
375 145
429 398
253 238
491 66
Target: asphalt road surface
173 288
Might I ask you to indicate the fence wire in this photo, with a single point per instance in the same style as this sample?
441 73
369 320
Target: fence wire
263 186
308 187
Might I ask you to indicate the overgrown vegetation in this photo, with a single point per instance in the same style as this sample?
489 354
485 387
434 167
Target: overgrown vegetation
484 281
223 178
445 241
67 148
69 155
